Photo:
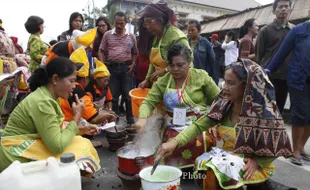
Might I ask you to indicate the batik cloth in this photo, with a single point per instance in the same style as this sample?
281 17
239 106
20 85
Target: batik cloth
260 128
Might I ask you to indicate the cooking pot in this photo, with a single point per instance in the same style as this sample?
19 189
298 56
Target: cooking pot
130 161
132 133
115 144
164 177
112 134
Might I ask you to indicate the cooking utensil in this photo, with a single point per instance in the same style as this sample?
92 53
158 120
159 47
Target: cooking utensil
108 126
155 166
113 134
115 144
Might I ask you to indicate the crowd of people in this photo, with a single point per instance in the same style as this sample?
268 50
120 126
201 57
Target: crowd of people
83 79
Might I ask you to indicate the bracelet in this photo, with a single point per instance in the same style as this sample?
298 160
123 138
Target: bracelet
166 69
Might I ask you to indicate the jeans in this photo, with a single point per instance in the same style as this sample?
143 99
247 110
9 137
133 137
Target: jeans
121 84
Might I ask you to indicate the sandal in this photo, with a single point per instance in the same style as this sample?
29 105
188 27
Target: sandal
297 160
305 156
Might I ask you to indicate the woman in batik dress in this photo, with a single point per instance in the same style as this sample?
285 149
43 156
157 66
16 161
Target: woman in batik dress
246 118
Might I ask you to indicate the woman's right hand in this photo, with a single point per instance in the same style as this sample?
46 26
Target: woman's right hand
140 124
77 108
144 84
91 130
167 149
109 117
214 131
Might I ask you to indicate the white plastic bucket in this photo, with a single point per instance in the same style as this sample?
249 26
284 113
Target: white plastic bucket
164 177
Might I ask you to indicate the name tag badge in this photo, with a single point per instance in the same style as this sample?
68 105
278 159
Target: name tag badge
179 116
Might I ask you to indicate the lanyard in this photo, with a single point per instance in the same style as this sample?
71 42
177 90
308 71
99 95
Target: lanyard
180 94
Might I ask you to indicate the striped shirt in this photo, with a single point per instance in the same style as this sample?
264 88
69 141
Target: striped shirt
117 48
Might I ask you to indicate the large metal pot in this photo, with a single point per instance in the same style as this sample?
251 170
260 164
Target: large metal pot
131 162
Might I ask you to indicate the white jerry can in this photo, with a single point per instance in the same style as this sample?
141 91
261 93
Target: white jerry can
47 174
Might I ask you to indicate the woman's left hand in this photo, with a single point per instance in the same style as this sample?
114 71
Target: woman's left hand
91 130
158 74
250 168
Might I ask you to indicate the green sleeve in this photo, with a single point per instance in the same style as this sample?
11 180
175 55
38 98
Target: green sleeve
195 129
46 121
264 161
210 89
35 50
150 71
154 97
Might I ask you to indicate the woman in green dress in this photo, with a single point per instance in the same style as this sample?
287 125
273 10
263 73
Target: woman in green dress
249 123
157 33
185 92
36 129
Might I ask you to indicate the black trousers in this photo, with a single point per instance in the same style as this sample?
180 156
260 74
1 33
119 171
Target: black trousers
281 90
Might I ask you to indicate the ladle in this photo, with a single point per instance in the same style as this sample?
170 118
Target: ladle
155 166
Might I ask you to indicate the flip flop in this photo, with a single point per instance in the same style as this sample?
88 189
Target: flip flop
297 160
305 156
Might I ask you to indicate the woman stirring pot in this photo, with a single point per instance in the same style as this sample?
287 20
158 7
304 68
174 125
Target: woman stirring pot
185 92
250 124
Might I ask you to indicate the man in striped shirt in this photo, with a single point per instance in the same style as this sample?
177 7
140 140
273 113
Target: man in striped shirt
118 50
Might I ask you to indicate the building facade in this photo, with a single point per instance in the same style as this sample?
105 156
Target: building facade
201 10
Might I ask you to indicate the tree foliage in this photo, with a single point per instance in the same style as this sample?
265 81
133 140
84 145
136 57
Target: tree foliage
89 16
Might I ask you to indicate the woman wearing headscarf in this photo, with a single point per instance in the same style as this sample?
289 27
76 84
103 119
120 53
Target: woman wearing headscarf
157 34
36 47
76 22
248 121
103 25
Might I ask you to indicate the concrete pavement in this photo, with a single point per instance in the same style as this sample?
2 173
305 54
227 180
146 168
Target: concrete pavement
286 173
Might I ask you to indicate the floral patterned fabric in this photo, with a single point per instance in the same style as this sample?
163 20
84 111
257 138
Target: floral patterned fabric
36 48
260 129
22 60
7 48
7 53
228 135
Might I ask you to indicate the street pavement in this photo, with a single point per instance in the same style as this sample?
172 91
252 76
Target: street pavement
286 173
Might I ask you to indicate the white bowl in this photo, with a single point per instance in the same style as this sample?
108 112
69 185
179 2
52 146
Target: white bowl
164 177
